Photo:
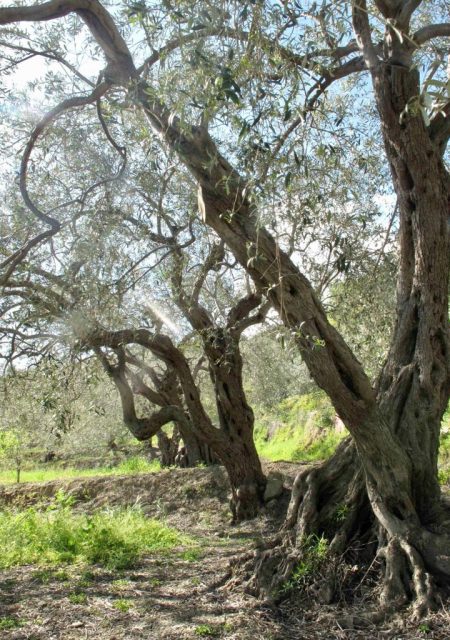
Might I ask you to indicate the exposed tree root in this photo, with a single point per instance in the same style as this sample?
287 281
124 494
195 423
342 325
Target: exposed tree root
330 502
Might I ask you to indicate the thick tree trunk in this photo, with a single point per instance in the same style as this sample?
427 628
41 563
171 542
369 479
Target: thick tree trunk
397 439
168 447
194 452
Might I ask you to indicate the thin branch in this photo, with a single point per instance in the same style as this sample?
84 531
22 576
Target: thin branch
51 55
64 106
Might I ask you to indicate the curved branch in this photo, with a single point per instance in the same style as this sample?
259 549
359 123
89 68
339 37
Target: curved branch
141 428
256 318
63 106
242 309
19 256
95 16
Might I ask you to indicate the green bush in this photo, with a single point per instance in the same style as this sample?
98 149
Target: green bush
115 539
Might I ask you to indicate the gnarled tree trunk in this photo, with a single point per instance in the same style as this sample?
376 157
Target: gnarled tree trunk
393 469
236 420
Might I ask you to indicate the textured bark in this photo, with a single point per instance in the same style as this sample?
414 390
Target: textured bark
180 402
412 393
168 447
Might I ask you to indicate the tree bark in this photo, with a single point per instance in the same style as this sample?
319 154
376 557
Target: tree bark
236 421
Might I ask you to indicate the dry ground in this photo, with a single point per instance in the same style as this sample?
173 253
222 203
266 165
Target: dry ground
177 596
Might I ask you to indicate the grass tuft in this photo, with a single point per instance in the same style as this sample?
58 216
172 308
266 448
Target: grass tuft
123 605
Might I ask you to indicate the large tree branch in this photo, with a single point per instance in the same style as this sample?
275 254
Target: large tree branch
196 313
431 31
361 26
243 308
95 16
162 347
141 428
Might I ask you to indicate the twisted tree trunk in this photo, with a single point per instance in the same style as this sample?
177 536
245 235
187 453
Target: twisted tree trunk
392 472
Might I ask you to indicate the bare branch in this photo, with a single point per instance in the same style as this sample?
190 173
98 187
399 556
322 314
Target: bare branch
430 32
212 263
363 33
407 10
242 309
256 318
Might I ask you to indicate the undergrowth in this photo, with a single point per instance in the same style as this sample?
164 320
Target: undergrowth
114 538
314 555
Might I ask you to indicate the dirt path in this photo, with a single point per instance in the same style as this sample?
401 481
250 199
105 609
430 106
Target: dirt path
168 597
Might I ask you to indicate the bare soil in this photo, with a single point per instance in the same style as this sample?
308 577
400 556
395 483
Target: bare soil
181 595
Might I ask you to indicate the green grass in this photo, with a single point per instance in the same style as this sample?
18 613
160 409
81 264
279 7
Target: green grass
314 555
77 598
207 631
298 428
116 539
137 464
